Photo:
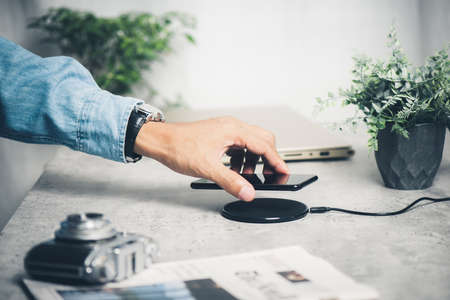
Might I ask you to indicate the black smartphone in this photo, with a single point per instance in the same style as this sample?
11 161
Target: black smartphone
270 182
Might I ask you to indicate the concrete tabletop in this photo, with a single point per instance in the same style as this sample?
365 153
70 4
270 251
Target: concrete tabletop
403 257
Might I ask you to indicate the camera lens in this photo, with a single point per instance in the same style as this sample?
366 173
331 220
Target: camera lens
85 227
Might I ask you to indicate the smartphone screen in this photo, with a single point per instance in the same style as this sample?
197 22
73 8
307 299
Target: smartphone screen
273 182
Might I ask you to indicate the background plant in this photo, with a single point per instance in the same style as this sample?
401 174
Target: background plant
392 93
114 50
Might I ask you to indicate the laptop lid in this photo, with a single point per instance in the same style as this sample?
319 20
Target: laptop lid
297 138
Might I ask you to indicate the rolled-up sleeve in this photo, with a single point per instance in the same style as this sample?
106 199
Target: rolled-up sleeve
56 101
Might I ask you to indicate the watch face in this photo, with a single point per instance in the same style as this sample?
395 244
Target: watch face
153 114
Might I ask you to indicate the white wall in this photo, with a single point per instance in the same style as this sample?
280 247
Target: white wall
435 25
264 52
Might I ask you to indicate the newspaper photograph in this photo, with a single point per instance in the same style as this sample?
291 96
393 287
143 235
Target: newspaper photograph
283 273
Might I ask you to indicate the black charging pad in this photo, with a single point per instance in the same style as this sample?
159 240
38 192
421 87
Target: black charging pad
265 210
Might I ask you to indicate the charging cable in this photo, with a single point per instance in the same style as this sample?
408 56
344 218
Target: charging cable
324 209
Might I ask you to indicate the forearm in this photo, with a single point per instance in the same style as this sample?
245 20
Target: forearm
153 140
56 101
165 143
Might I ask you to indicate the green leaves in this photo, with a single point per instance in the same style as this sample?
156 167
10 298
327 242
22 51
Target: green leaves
115 50
190 38
391 92
376 107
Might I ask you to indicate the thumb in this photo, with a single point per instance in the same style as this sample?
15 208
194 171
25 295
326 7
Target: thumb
233 183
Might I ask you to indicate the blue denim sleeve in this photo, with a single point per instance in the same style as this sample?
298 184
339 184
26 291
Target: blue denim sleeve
56 101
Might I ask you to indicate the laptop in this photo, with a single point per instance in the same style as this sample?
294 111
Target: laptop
297 138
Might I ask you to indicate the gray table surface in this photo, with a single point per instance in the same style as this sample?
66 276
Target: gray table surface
403 257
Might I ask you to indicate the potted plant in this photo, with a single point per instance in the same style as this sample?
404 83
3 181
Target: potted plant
405 110
114 50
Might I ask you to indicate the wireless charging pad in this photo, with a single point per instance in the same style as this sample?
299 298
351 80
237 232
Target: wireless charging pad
265 210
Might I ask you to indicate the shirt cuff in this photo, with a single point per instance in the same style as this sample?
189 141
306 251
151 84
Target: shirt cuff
103 125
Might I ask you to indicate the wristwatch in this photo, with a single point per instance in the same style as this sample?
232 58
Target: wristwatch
141 114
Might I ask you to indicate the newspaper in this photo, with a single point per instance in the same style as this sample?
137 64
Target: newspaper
283 273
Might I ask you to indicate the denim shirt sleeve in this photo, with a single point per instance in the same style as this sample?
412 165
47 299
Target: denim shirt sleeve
56 101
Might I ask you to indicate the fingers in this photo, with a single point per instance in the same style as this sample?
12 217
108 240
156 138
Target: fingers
237 159
256 140
268 169
251 159
233 183
272 160
281 178
265 146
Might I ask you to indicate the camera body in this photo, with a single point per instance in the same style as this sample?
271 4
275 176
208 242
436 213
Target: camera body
87 249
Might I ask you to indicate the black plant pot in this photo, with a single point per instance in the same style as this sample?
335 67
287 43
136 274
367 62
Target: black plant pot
410 164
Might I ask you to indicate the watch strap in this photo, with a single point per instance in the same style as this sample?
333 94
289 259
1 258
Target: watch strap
135 122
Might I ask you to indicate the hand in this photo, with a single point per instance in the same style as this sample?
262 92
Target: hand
196 149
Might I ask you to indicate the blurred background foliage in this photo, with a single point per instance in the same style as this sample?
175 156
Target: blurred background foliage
115 50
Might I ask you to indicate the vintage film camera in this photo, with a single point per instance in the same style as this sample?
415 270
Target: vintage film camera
87 249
